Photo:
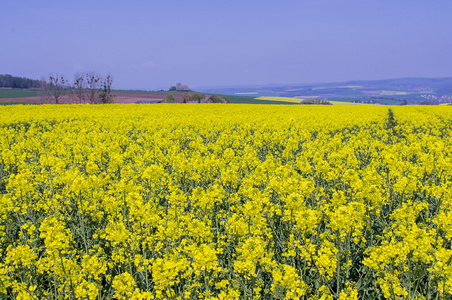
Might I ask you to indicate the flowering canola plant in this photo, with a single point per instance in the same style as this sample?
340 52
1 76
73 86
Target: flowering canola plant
225 202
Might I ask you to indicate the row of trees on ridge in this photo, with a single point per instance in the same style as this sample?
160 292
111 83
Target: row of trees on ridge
197 98
13 82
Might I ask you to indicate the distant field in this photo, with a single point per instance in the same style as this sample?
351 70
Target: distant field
14 93
253 100
391 93
131 91
347 103
280 99
383 101
132 96
244 98
149 92
295 100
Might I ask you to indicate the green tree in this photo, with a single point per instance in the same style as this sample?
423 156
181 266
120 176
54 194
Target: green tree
14 82
169 98
218 99
197 97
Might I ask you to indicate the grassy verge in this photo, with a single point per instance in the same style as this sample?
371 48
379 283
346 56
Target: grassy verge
17 93
4 103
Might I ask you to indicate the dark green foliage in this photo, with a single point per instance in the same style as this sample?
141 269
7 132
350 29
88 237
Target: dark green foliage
9 81
13 93
391 123
169 98
197 97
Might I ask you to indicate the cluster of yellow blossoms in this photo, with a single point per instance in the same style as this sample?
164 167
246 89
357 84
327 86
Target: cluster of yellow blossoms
225 202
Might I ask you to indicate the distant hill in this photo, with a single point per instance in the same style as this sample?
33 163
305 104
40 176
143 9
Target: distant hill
388 91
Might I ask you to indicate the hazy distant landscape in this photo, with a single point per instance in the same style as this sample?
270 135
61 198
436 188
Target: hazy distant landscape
389 92
399 91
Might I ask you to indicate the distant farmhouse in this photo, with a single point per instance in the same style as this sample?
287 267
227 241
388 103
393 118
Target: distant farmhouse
180 88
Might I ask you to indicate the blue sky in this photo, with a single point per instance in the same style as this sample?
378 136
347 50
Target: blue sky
154 44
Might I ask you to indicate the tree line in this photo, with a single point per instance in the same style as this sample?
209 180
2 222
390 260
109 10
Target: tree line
197 98
87 87
9 81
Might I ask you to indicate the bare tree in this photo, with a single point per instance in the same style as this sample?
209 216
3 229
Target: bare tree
105 95
54 88
92 86
79 88
43 90
86 86
185 97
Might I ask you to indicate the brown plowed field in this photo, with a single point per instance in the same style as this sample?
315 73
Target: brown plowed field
123 98
22 100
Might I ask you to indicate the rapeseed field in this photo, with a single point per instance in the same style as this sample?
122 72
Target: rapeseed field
225 202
